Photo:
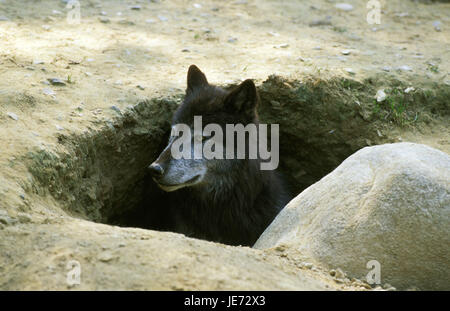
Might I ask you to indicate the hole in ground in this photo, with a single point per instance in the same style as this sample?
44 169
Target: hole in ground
102 175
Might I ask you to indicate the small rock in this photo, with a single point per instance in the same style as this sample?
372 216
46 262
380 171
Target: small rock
344 6
105 256
104 20
163 18
135 7
185 50
307 265
150 21
12 115
23 218
320 22
281 46
197 5
37 62
126 22
49 92
46 27
437 25
3 19
387 68
402 14
380 96
116 109
140 87
346 52
339 274
317 48
232 40
56 81
409 89
59 128
350 71
404 68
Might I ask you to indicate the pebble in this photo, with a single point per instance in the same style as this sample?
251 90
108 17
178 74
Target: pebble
404 68
307 265
163 18
56 81
37 62
346 52
197 5
7 220
339 274
150 21
381 96
387 68
105 256
135 7
104 20
59 128
116 109
231 40
23 218
409 90
281 46
4 18
46 27
320 22
350 71
437 25
344 6
140 87
402 14
49 92
12 115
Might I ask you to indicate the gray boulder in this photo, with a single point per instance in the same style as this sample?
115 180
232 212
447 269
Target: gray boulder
387 204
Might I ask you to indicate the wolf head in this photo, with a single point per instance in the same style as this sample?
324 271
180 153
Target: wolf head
215 106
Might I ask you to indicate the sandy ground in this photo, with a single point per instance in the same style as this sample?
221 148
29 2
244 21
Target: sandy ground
123 51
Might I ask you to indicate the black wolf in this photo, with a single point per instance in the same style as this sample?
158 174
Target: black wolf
230 201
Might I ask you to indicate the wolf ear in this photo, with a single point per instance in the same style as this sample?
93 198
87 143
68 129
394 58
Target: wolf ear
195 78
243 99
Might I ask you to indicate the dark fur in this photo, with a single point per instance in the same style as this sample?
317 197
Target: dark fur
239 201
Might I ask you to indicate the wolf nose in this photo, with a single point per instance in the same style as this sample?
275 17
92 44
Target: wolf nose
156 170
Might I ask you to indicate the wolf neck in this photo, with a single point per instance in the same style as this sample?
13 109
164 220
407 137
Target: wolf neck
233 209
